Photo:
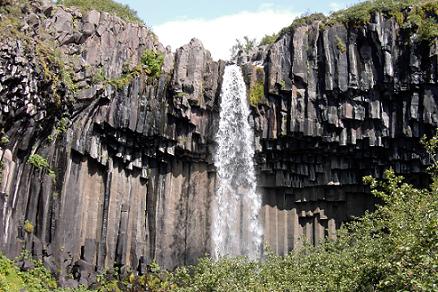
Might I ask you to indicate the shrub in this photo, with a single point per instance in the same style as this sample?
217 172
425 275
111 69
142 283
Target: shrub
152 62
256 93
340 45
40 162
28 226
112 7
268 39
420 16
4 140
305 19
37 278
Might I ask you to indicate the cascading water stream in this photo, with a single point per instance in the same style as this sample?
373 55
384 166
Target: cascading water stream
236 229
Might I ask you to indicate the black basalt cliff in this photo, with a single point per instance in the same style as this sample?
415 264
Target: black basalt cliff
106 165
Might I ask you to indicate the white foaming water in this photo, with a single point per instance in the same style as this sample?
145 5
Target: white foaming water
236 229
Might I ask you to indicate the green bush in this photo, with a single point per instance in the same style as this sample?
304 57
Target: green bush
112 7
152 62
420 16
256 93
36 279
268 39
340 45
28 226
40 162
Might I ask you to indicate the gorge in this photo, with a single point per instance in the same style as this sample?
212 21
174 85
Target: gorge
107 162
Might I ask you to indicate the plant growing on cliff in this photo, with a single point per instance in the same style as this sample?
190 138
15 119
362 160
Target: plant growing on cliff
268 39
61 128
109 6
28 226
245 45
152 62
40 162
37 278
256 92
340 45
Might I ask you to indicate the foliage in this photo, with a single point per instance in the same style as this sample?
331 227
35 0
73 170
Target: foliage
419 16
268 39
150 64
4 140
61 128
246 45
256 92
40 162
28 226
55 70
12 278
112 7
305 19
340 45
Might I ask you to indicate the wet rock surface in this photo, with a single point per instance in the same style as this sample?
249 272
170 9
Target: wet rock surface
132 173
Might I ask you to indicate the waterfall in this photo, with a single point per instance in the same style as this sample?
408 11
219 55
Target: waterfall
236 229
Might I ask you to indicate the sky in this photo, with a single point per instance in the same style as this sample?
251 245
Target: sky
219 23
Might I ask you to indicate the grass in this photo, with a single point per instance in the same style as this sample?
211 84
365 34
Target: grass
109 6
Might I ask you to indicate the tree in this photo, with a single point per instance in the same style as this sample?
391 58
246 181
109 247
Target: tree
246 45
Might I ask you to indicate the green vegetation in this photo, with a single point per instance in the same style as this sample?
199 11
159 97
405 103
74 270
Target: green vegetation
305 19
151 63
340 45
99 76
282 84
246 45
55 70
417 16
14 279
268 39
40 162
48 58
28 226
61 128
256 93
4 140
112 7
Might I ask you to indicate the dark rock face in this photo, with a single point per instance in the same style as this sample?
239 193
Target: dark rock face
340 104
134 171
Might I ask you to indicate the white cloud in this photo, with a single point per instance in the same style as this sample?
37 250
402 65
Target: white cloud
219 34
334 6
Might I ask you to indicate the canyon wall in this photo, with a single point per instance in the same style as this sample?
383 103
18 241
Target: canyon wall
129 174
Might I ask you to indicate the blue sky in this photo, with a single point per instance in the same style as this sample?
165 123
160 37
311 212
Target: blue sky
218 23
